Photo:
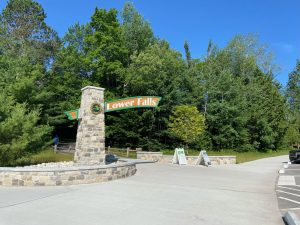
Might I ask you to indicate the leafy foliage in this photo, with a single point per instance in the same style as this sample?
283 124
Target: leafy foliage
25 43
293 88
138 34
186 123
233 87
292 136
106 54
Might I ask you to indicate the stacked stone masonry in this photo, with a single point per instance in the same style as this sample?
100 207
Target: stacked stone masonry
64 176
191 160
90 140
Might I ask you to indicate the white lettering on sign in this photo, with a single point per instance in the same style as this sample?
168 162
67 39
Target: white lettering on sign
133 102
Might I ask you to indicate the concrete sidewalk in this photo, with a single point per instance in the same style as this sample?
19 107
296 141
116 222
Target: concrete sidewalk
157 195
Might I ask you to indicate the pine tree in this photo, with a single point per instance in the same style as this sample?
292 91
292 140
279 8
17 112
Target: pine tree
68 75
25 31
20 132
293 88
26 45
187 53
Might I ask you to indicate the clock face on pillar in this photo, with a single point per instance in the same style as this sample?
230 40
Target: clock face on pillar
96 108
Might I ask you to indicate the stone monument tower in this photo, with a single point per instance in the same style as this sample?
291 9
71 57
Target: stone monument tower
90 140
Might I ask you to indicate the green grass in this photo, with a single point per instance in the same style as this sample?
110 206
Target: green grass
240 156
50 156
122 152
43 157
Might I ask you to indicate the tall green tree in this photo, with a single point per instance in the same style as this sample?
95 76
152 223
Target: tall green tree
292 137
187 53
244 107
25 45
68 75
293 88
138 33
28 45
266 113
25 31
106 53
156 71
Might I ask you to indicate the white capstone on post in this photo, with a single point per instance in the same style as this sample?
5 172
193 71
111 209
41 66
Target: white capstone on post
90 140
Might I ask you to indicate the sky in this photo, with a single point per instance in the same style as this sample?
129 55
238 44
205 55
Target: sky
198 21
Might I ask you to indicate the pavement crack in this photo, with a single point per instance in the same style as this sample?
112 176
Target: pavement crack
242 191
36 199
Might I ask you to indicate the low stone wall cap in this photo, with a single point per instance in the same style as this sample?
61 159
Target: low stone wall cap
141 152
93 87
64 169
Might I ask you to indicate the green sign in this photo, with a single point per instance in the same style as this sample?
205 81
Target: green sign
96 108
72 114
119 104
132 102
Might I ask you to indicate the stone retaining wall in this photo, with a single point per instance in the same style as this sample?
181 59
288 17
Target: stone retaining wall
23 176
191 160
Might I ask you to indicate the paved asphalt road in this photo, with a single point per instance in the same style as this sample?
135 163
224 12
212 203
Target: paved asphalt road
288 188
157 195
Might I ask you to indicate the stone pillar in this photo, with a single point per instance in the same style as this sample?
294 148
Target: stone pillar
90 140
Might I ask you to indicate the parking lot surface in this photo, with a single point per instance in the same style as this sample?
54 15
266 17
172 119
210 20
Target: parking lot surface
158 194
288 188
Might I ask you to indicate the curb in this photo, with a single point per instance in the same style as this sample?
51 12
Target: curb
291 218
136 161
